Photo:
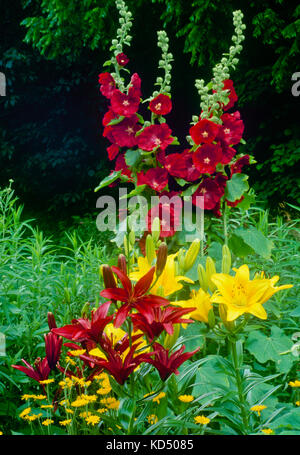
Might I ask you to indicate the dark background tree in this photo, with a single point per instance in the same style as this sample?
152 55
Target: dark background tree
52 51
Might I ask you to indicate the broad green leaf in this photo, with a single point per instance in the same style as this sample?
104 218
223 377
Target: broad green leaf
236 187
255 240
265 347
132 157
239 247
108 180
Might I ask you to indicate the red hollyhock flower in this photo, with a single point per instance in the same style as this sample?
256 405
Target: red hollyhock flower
192 173
227 153
207 157
123 134
108 117
122 59
228 85
166 363
236 168
39 371
83 329
176 164
121 165
135 84
156 178
113 151
211 192
231 132
125 105
107 84
118 366
155 136
161 105
155 320
204 131
169 215
53 345
132 296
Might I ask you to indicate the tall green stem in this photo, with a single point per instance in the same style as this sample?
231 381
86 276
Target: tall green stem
239 386
225 227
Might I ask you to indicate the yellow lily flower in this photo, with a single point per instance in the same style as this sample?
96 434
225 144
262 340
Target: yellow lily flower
201 301
167 283
241 295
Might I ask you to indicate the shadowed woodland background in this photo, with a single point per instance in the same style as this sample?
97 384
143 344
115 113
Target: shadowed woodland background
52 51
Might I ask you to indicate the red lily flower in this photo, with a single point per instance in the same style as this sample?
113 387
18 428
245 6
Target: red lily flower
167 364
154 321
53 345
161 105
39 371
120 367
83 329
204 132
132 296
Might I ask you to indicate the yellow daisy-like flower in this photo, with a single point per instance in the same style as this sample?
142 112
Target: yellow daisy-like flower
92 420
47 422
258 408
1 433
33 417
46 406
158 397
39 397
201 301
186 398
202 420
241 295
25 412
295 383
27 397
66 422
110 402
267 431
152 419
46 381
69 411
297 403
168 282
79 402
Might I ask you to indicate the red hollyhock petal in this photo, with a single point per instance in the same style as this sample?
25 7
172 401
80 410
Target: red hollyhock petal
108 117
161 105
122 166
123 134
125 105
204 132
156 178
207 157
211 193
231 132
155 136
122 59
177 165
107 84
228 85
112 151
236 168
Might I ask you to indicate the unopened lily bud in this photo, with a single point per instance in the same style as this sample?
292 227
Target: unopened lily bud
122 263
150 249
211 318
210 270
202 277
170 340
191 255
51 320
161 258
226 259
127 246
155 229
180 258
85 309
108 277
131 238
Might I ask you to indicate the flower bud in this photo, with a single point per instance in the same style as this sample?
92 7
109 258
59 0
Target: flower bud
84 309
51 320
226 259
150 249
210 270
132 238
122 263
211 318
202 278
170 340
161 258
191 255
155 229
108 277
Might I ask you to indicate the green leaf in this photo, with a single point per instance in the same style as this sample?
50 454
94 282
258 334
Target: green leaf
108 180
265 347
132 157
236 187
239 247
138 190
255 240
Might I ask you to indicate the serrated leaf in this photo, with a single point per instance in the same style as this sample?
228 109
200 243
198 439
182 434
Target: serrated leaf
132 157
255 240
236 187
265 348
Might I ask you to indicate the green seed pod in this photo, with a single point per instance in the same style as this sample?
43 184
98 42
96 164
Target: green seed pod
150 249
226 259
202 278
210 270
191 255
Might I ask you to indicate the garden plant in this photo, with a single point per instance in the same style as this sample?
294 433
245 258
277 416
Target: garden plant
185 319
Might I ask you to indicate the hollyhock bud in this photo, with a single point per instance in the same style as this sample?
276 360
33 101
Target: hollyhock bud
161 258
108 277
